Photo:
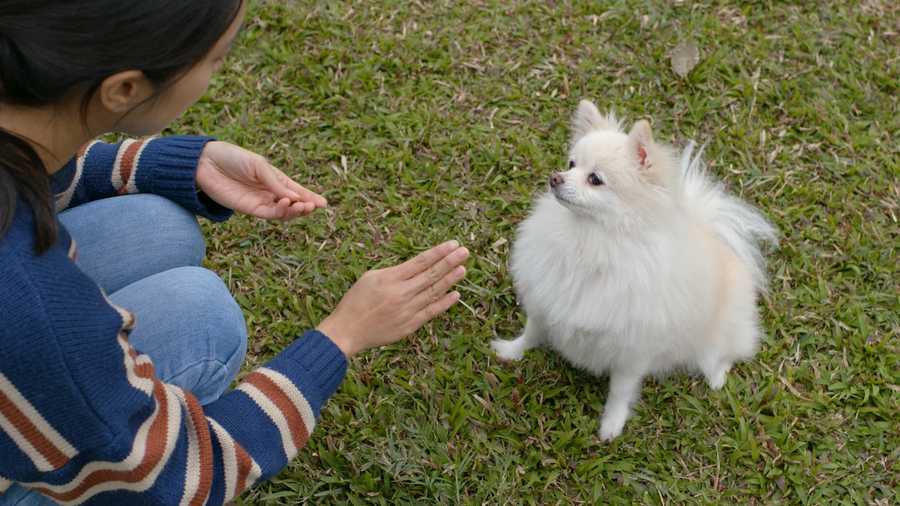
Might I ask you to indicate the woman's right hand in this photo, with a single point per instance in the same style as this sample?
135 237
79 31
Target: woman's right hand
386 305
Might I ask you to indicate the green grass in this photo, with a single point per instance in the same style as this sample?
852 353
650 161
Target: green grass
425 121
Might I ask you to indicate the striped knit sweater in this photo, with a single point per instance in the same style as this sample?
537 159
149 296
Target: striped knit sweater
83 418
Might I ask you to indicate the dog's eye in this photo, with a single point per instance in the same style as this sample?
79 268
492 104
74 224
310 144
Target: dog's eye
594 179
571 164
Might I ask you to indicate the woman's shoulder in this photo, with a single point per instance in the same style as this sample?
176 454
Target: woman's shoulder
47 289
18 241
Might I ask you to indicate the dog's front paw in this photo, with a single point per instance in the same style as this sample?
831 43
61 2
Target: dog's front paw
508 350
613 421
717 380
610 429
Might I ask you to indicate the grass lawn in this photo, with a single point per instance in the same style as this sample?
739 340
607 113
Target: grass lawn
429 120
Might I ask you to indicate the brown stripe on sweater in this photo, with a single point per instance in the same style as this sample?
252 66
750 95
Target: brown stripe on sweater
244 466
299 431
204 441
157 438
127 166
31 433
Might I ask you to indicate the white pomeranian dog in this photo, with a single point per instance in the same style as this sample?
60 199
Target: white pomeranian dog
637 263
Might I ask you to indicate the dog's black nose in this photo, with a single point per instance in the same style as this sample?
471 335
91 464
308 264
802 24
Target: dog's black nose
556 179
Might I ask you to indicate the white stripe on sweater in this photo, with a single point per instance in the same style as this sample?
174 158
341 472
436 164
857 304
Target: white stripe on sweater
24 446
192 467
275 415
297 399
229 458
131 462
116 176
40 423
65 198
131 185
230 463
143 384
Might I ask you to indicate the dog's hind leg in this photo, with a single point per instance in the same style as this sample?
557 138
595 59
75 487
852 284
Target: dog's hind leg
624 390
514 349
714 369
737 339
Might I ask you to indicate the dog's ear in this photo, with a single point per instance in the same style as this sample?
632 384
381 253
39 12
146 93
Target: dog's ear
587 119
640 144
654 161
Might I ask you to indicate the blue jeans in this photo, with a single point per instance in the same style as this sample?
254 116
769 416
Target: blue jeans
145 251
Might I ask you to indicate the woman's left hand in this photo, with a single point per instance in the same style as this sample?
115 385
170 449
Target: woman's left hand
244 181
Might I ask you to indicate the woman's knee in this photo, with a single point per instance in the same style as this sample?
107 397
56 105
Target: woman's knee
226 332
174 227
191 327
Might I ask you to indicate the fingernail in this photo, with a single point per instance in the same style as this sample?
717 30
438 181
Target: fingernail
454 244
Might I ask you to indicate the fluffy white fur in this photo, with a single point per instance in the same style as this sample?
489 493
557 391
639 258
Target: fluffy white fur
656 268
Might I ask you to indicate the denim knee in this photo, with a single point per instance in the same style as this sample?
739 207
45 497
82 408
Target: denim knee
190 326
181 225
226 333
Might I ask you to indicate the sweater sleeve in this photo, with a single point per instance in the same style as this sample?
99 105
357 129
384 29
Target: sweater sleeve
165 166
94 424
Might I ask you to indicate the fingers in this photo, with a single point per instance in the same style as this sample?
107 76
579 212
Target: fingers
281 209
434 292
282 186
435 309
297 209
271 211
301 209
269 176
424 260
306 195
437 271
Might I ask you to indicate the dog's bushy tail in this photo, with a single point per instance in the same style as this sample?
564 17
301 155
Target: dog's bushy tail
740 225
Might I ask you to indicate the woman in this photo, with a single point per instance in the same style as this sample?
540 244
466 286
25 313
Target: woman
115 346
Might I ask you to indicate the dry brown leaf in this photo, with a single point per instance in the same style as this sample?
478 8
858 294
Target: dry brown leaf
685 57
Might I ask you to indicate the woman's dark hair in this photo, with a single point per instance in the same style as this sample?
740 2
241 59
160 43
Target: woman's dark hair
50 49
